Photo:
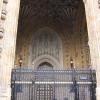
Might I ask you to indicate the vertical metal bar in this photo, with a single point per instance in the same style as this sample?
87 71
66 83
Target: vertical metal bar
75 85
15 94
54 88
50 93
44 90
29 91
12 86
39 91
92 87
32 93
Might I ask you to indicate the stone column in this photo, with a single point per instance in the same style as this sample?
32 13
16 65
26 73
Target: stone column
93 24
8 48
0 6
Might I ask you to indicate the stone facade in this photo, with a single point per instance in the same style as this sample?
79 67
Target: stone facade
7 43
9 19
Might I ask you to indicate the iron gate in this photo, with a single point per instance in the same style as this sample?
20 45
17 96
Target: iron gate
74 84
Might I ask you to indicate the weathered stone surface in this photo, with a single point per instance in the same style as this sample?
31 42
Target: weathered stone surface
3 14
93 23
1 2
8 52
5 1
1 32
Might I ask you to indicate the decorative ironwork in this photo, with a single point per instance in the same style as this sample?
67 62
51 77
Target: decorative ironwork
53 84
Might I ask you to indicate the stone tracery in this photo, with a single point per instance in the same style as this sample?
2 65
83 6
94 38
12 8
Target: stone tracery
46 43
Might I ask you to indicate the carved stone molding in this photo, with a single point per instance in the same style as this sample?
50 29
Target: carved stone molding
0 49
3 17
5 1
3 14
1 32
4 11
99 4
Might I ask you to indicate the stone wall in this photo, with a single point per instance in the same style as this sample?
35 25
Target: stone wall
74 44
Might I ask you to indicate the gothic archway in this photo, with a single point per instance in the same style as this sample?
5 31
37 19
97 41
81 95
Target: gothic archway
45 66
46 58
46 46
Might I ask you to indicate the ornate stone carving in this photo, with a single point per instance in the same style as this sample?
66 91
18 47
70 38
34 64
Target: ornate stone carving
5 1
3 17
1 32
3 14
99 3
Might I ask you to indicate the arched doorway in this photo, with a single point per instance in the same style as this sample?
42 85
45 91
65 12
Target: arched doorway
46 58
45 66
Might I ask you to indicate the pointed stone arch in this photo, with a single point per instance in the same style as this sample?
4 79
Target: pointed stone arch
46 44
46 58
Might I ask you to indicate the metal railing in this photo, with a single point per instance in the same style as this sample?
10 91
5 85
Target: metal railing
73 84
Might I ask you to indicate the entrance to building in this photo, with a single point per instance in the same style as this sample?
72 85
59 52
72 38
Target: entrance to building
28 84
44 91
45 66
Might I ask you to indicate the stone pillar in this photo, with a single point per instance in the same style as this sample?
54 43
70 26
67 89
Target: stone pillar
0 6
93 24
8 48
